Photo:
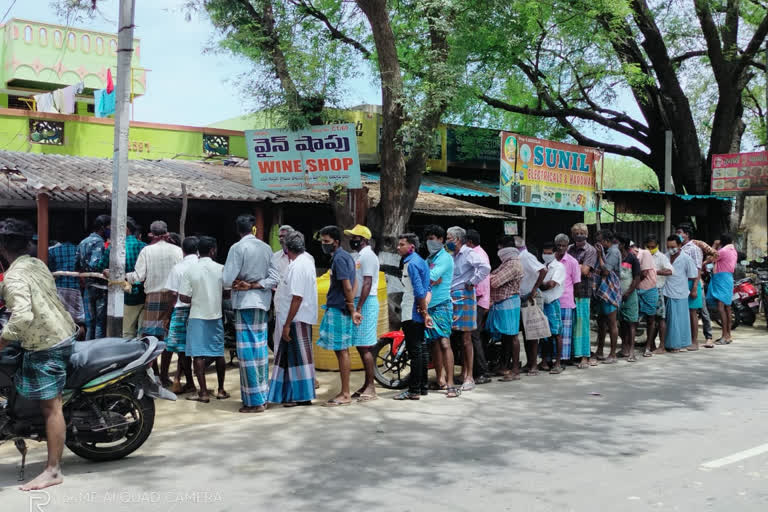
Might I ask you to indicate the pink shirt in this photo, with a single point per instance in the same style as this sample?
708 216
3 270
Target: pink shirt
726 259
483 288
648 282
572 276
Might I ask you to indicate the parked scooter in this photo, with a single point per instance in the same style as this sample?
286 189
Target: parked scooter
108 400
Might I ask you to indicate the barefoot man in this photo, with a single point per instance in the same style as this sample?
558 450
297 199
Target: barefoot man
46 332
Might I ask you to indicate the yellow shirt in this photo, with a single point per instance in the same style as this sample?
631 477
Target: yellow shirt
38 318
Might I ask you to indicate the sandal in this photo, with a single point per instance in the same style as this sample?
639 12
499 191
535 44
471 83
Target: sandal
336 403
366 398
468 386
583 366
610 360
721 341
647 353
453 392
254 410
220 396
198 398
557 370
509 377
406 395
434 386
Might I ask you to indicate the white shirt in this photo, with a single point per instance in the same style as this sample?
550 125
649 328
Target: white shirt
407 304
662 263
531 269
300 281
366 265
177 274
556 273
154 265
203 282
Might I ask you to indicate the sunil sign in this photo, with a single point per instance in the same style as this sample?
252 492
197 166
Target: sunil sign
317 157
546 174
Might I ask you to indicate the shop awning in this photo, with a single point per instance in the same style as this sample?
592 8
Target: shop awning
652 201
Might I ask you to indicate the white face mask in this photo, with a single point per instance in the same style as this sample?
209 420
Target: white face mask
548 258
673 251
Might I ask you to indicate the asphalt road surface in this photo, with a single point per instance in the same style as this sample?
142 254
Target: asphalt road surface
680 432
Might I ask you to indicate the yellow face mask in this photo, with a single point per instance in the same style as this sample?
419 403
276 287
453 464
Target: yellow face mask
654 250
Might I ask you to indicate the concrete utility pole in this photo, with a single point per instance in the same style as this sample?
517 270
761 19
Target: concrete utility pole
120 167
668 186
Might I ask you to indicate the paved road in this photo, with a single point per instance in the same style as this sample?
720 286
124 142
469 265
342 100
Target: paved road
656 438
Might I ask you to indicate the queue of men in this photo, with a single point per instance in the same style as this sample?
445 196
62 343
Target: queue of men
454 305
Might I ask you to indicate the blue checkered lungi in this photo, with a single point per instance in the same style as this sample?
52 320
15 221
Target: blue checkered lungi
464 310
293 375
647 301
177 332
335 330
442 319
365 334
566 316
552 310
251 333
43 373
504 317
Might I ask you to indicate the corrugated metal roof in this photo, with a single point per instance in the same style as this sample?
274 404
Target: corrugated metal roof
684 197
447 186
61 174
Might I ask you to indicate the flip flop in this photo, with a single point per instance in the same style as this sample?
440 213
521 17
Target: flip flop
336 403
222 397
631 359
197 398
557 370
647 353
366 398
610 360
468 386
583 366
453 392
721 341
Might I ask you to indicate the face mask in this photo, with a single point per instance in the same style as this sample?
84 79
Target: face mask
355 244
451 246
433 246
327 248
673 251
548 258
107 233
579 238
654 250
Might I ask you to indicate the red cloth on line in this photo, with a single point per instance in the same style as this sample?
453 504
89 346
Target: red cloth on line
110 83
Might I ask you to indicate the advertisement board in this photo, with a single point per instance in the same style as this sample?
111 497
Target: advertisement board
740 172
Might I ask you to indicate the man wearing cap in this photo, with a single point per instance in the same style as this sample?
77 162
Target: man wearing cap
366 303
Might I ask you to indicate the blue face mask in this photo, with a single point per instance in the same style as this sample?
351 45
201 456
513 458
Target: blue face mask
451 246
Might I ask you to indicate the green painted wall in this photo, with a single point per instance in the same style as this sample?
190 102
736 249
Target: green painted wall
82 138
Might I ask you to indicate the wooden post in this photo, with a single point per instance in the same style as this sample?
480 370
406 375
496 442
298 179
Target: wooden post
42 226
183 219
258 212
115 304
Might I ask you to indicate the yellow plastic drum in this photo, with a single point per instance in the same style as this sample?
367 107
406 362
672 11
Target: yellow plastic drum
326 359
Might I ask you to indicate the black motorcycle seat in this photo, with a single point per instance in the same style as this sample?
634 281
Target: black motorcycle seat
96 357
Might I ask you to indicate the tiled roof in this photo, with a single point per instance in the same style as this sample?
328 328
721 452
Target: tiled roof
62 175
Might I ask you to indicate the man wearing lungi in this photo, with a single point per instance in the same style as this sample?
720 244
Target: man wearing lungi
630 276
340 313
608 294
46 332
696 304
468 270
252 275
567 302
293 376
504 315
647 293
364 336
483 296
440 265
281 261
677 292
62 257
663 269
177 332
721 285
586 256
533 275
202 288
153 266
87 258
551 291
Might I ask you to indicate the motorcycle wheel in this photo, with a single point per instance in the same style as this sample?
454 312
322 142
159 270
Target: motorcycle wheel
747 317
390 370
142 412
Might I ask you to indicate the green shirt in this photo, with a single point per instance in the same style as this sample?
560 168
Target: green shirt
38 318
132 249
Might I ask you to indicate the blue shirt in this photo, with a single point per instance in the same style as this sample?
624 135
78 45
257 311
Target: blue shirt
88 258
440 267
62 257
342 267
683 269
418 272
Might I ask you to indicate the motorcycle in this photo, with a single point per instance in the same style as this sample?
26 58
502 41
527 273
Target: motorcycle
745 304
108 399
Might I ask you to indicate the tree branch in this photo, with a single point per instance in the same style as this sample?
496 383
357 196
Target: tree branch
754 45
306 7
711 36
688 55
